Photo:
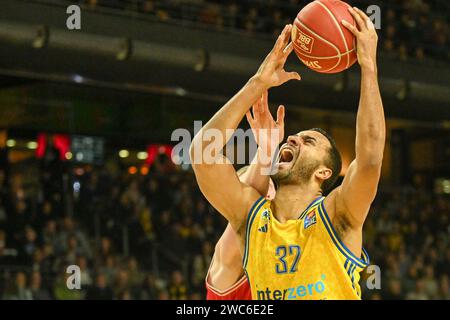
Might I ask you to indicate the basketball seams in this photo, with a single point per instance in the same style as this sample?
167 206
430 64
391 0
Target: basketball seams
339 28
329 57
324 40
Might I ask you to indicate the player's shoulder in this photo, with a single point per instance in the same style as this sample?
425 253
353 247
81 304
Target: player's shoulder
252 197
249 199
254 202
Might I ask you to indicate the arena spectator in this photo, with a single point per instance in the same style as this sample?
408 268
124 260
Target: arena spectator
149 289
394 290
19 289
121 283
37 291
419 291
177 287
201 264
100 290
444 289
86 279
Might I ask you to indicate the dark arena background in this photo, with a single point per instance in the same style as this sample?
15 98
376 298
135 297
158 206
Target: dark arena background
86 117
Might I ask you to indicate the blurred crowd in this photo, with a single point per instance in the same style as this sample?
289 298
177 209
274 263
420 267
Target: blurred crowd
132 236
152 236
407 236
409 28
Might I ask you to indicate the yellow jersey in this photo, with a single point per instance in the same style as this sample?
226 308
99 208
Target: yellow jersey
299 259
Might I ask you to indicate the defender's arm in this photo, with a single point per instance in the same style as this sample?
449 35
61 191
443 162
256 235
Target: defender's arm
268 134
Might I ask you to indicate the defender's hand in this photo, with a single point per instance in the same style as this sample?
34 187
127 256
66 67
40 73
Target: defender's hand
268 133
271 73
366 37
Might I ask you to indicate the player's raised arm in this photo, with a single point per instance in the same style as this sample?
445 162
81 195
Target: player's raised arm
268 134
359 187
217 179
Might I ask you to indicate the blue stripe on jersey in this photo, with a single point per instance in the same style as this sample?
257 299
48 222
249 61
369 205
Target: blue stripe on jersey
345 265
365 255
310 205
341 247
250 218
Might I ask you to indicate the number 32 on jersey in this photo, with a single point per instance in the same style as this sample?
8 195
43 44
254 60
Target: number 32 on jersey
283 252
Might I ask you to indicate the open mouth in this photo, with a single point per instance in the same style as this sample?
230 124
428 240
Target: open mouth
286 156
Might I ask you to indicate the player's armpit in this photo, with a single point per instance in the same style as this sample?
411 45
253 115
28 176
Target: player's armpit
357 192
221 186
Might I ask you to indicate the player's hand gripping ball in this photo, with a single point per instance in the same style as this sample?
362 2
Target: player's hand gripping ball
320 40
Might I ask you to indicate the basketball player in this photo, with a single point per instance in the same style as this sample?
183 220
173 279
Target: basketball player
302 245
225 279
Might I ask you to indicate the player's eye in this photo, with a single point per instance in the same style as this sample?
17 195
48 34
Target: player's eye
310 142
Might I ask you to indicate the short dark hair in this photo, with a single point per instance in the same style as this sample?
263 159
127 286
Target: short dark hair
333 161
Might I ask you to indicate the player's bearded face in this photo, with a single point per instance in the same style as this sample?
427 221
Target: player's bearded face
295 166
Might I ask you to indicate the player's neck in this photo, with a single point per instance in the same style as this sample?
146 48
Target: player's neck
291 200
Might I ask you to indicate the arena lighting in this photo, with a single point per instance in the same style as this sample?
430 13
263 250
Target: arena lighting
32 145
124 153
124 52
339 85
41 38
203 59
144 171
132 170
77 78
446 186
341 82
10 143
180 92
442 186
69 155
154 150
76 186
59 141
404 91
142 155
79 156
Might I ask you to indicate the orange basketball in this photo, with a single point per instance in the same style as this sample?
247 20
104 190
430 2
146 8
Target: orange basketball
320 40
